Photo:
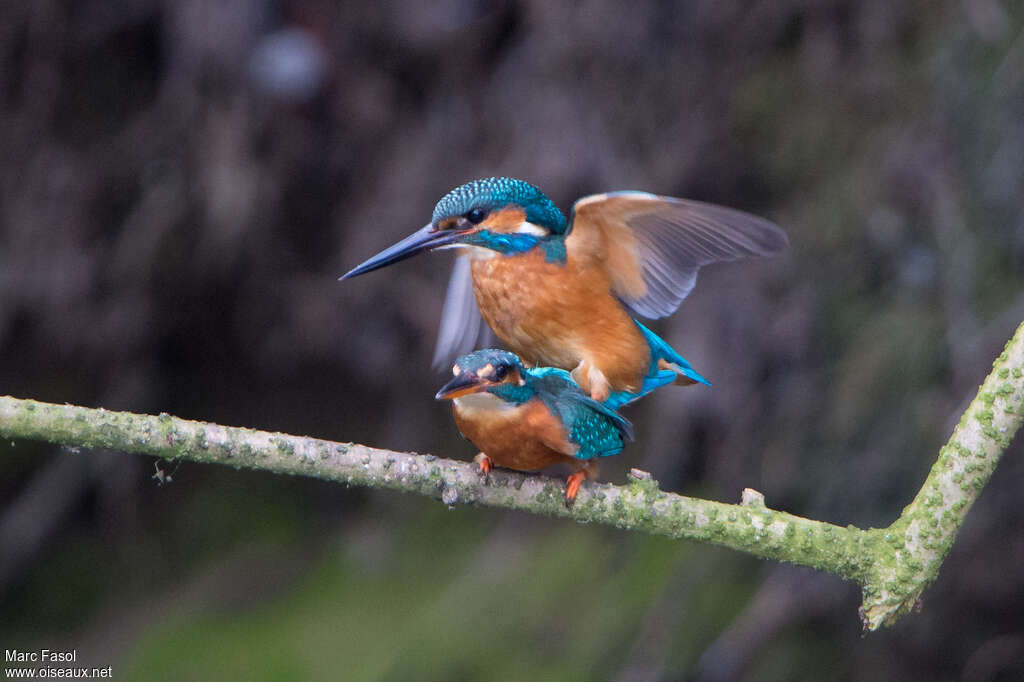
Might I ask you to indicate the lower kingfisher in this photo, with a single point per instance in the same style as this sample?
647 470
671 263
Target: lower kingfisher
527 419
563 292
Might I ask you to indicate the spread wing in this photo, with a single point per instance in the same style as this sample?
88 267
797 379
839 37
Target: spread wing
462 328
653 246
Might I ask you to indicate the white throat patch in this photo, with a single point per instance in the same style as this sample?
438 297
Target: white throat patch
483 401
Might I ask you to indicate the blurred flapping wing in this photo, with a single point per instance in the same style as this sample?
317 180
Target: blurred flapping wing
462 328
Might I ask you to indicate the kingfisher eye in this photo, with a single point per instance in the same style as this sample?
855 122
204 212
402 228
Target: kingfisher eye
475 215
500 372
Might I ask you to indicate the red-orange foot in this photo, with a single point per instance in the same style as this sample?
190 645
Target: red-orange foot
572 486
483 463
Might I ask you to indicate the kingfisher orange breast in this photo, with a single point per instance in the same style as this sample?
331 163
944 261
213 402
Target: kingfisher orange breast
560 315
522 437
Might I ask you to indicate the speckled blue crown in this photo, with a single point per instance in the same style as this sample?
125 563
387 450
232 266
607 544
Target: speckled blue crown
493 193
488 356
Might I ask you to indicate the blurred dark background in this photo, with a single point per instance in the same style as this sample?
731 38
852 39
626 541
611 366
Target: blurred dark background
182 182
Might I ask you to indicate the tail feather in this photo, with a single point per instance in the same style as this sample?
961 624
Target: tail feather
667 367
685 376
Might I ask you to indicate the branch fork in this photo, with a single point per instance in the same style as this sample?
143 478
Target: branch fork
892 565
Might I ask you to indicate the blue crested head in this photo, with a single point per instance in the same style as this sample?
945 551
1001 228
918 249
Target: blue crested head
505 215
490 361
475 200
491 370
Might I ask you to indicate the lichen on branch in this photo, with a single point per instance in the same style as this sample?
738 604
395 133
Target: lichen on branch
917 542
893 565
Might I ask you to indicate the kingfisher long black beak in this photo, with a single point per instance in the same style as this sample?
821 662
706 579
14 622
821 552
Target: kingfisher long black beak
423 239
460 385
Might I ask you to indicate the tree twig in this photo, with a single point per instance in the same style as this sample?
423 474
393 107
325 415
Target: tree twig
893 565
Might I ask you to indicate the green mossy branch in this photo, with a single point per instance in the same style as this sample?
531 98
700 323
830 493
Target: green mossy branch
917 542
893 565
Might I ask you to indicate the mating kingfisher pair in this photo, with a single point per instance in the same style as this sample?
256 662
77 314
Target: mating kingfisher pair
561 294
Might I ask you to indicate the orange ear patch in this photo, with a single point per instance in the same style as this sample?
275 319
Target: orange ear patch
506 220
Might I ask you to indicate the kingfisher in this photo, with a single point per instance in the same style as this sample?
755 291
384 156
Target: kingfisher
530 418
563 293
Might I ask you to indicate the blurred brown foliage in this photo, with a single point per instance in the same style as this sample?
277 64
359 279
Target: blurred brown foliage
182 182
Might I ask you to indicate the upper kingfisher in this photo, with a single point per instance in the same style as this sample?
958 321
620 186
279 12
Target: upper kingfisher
527 419
563 292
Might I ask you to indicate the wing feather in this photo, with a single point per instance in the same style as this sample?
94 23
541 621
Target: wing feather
653 246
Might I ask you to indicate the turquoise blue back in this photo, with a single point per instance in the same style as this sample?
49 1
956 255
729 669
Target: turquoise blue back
596 428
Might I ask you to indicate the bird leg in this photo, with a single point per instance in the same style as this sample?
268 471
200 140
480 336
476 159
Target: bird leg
483 463
600 387
592 380
587 470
